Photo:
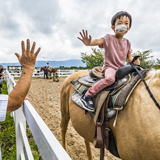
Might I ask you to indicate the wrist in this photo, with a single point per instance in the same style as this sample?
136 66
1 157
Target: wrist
130 59
28 67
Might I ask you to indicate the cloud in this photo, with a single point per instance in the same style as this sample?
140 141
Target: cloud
55 25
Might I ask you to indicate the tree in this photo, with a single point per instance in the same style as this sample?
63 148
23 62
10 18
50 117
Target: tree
93 60
96 59
157 64
145 58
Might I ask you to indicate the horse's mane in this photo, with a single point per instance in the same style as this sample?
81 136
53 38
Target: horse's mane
152 74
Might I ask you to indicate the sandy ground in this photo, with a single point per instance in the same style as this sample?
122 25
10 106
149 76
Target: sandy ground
44 95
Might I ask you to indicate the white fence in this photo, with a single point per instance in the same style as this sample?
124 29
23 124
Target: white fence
48 145
61 73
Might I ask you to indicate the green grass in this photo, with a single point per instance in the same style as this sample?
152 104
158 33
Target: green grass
4 88
7 137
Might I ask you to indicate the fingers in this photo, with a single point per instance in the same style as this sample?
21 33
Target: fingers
28 46
83 32
23 48
86 33
80 39
18 56
37 51
26 53
33 47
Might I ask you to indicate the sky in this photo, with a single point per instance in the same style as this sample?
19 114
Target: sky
55 25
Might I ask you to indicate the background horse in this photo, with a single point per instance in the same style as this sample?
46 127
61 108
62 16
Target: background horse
50 71
137 130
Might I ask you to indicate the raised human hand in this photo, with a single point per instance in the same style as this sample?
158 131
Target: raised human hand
85 39
28 57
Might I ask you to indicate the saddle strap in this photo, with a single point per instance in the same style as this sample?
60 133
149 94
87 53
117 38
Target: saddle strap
106 125
101 137
102 153
106 134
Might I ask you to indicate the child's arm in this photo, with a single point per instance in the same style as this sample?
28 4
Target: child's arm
88 40
130 58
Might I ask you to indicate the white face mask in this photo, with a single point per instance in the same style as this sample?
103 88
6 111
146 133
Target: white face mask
120 28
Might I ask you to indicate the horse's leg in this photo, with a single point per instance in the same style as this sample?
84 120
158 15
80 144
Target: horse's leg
88 148
64 123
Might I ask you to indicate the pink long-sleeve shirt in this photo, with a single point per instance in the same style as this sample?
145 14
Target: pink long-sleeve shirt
115 51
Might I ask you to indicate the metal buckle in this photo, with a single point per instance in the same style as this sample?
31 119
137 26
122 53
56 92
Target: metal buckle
107 129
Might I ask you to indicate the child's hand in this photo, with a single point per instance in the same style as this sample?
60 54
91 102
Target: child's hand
85 39
136 62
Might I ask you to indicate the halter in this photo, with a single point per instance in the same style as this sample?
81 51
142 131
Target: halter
150 93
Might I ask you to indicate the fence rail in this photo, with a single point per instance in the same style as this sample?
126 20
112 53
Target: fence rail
61 73
48 145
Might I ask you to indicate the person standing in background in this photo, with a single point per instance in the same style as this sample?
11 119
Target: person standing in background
45 72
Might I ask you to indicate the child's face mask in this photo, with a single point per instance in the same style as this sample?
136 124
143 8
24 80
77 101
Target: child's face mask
120 28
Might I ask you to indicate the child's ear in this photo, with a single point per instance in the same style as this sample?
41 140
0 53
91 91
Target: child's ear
113 28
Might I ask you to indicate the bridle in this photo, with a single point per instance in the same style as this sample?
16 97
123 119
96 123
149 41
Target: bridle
150 93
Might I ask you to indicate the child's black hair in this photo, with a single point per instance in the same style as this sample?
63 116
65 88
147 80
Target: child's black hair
119 15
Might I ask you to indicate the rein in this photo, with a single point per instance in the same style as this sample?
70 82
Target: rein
150 93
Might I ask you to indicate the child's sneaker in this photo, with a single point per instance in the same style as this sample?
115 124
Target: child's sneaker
87 103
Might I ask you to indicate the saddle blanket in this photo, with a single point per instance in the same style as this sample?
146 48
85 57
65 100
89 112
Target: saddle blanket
76 99
119 92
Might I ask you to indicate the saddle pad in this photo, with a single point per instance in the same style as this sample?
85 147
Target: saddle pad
80 88
118 100
76 99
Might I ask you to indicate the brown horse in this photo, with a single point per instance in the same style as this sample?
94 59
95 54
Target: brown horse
50 71
137 130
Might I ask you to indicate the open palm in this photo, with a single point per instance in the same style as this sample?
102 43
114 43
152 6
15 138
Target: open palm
85 39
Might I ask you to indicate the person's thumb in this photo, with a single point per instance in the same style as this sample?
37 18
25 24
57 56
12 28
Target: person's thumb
18 56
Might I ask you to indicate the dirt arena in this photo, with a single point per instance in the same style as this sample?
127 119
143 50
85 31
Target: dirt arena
44 95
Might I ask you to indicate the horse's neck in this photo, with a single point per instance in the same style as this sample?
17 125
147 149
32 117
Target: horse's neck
138 122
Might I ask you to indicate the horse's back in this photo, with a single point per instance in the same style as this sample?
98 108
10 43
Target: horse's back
66 84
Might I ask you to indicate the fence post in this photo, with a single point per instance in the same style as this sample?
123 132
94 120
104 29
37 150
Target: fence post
19 118
59 71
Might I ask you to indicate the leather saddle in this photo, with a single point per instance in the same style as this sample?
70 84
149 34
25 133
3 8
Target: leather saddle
121 76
